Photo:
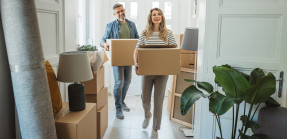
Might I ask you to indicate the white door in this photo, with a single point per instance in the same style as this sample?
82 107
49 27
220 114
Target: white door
245 34
57 23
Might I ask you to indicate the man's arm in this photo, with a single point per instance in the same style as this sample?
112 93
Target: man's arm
105 37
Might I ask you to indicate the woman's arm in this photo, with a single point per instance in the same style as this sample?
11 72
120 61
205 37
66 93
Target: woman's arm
141 41
136 60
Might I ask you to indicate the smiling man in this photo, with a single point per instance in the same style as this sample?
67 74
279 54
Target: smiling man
121 28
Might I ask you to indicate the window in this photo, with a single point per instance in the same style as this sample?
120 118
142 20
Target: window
155 4
81 23
167 10
134 10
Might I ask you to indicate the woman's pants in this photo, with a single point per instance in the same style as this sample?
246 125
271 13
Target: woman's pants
159 84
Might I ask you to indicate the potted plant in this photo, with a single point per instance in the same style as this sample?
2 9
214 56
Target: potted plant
87 48
237 87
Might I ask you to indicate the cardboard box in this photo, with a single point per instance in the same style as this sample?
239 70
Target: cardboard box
96 84
178 38
78 125
158 61
100 98
102 117
122 51
97 59
187 60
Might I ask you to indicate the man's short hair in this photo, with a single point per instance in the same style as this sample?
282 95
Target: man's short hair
117 5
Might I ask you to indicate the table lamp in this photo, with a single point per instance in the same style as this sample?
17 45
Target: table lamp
75 67
190 41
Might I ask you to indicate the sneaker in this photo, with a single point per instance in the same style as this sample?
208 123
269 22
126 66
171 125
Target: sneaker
119 114
125 107
146 121
154 134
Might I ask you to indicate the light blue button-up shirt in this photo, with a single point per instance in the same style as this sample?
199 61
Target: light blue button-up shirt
113 31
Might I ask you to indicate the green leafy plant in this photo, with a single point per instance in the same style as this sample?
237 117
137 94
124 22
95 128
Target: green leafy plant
237 87
87 48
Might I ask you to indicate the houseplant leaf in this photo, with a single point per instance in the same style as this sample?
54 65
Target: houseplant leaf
265 86
232 83
241 73
188 98
255 74
202 85
220 104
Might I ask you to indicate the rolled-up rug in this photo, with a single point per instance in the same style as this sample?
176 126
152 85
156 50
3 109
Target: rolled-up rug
26 60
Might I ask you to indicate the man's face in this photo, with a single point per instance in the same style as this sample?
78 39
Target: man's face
120 13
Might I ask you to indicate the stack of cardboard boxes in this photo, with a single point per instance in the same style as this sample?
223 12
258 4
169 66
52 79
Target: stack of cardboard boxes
178 85
97 93
92 122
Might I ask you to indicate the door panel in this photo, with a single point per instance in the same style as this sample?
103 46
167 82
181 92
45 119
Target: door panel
245 34
52 16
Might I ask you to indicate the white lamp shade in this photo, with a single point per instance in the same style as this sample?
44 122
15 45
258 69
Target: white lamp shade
74 67
190 39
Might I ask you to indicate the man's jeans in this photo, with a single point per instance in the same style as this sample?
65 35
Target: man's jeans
122 76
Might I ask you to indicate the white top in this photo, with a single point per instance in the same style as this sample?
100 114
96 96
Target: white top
155 40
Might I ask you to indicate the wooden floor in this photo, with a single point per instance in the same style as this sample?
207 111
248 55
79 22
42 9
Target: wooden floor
131 126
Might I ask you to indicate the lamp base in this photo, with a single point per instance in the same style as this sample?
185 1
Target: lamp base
77 99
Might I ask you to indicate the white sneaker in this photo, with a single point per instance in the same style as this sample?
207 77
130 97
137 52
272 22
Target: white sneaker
146 121
154 134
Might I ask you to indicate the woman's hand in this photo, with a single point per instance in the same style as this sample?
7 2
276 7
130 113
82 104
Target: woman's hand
136 68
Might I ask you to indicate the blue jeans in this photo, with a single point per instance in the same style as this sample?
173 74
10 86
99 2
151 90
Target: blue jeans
122 76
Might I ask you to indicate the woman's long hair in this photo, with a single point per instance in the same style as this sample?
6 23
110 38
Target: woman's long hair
147 32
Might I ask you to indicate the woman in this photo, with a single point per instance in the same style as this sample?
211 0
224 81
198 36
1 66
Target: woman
154 33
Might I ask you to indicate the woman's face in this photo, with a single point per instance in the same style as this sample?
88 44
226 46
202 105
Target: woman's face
156 17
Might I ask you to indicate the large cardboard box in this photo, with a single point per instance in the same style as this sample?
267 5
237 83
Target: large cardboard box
100 98
96 84
102 117
158 61
187 60
122 51
78 125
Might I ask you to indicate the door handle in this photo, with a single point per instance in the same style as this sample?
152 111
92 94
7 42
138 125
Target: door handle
280 84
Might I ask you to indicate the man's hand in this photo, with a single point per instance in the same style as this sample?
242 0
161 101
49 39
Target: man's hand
107 46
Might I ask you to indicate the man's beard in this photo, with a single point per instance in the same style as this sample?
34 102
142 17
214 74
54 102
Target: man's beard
121 19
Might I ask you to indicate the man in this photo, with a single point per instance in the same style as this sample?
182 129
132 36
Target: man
121 28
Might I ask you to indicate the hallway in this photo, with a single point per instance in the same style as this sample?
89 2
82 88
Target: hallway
131 126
